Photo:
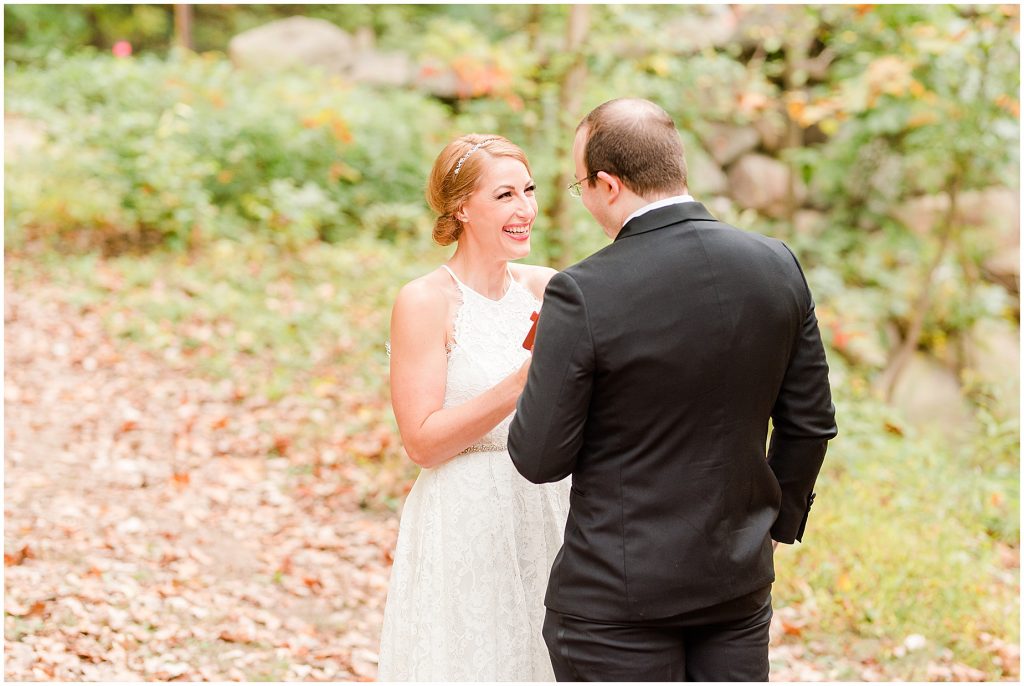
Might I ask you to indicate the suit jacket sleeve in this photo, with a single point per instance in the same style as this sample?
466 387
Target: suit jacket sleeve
547 430
803 420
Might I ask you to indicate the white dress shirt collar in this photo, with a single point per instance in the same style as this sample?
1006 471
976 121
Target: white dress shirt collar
664 202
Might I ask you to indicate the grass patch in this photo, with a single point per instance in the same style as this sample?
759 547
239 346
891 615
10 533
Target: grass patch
910 534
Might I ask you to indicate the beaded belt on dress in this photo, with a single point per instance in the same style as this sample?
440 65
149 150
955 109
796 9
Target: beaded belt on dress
484 448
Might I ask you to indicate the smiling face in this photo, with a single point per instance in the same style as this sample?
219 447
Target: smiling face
498 216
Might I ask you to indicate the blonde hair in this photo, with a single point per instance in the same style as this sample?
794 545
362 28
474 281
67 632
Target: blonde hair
455 174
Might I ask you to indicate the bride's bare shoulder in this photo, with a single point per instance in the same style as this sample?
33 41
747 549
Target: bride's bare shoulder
534 277
427 294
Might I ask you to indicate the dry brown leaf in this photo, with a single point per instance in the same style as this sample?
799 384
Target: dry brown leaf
24 553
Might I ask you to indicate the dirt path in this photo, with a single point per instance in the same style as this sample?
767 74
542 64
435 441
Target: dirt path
145 540
148 536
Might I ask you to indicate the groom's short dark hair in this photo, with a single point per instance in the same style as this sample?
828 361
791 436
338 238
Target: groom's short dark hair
637 141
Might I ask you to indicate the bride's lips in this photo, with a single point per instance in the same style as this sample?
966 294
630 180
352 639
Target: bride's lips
517 232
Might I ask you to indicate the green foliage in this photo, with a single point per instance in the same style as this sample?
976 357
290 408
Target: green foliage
32 33
213 152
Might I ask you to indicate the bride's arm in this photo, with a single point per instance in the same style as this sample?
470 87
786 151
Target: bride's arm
432 434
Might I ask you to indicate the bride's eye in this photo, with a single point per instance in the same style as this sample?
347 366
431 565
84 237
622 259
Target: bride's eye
530 189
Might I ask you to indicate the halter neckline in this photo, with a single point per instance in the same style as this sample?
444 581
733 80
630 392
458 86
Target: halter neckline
511 283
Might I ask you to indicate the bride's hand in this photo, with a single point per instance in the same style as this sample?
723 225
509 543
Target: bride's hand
521 374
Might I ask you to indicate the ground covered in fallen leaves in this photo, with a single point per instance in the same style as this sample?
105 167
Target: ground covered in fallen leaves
156 527
148 536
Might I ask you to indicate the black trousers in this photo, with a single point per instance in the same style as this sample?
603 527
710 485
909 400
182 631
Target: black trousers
725 642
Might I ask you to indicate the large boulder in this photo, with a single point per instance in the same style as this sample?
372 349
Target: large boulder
1002 266
992 212
704 177
292 42
319 43
996 208
755 23
992 359
726 142
996 211
810 223
437 80
702 27
382 68
772 129
762 183
928 393
922 214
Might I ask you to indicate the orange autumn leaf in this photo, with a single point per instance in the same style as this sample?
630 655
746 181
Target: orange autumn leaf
340 130
893 428
791 629
795 109
922 119
1011 105
17 558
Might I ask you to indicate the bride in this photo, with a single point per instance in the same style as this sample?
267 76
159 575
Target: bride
476 539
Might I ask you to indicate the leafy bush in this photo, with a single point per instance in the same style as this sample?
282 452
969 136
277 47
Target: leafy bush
189 149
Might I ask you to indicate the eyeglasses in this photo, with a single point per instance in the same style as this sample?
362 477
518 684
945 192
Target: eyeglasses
575 189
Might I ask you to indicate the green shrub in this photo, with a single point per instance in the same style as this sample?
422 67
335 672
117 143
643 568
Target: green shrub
178 152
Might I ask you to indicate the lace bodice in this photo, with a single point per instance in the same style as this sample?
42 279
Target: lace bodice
487 347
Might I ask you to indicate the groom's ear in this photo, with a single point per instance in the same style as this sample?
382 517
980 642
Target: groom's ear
615 186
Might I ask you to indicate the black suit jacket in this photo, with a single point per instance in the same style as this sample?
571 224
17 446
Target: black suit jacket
658 363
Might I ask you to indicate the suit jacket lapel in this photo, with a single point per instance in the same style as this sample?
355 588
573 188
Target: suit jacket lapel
665 216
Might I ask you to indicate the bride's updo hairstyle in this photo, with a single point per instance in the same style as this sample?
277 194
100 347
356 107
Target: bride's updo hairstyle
455 175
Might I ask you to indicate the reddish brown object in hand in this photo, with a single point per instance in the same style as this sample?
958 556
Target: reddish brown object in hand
528 343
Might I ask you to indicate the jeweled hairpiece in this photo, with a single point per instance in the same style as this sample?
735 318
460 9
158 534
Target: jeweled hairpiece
466 157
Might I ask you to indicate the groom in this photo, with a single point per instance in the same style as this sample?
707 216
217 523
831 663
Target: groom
659 362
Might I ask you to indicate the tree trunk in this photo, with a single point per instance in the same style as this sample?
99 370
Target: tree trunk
183 26
899 361
795 55
570 99
532 102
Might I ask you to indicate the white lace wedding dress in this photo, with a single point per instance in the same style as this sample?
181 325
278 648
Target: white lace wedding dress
476 540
